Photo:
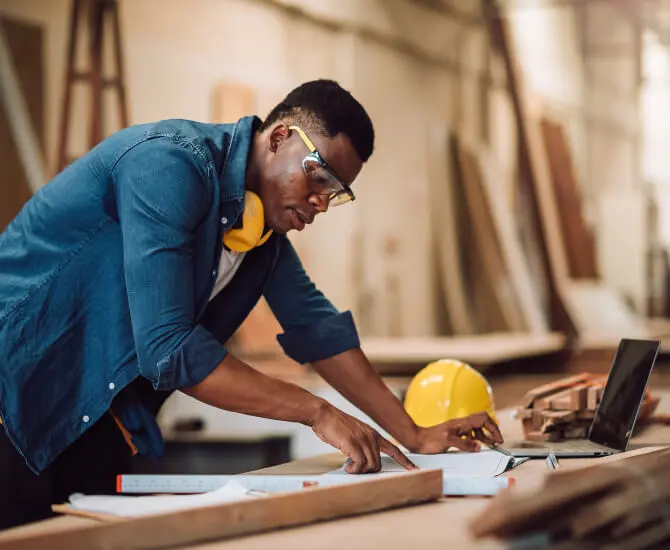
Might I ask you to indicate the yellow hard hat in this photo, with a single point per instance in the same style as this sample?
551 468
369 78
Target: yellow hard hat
447 389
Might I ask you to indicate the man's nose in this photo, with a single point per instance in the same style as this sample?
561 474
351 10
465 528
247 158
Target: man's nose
320 202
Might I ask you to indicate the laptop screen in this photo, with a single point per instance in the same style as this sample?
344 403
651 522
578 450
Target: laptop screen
619 405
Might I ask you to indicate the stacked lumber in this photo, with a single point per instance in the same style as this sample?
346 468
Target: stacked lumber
615 505
565 409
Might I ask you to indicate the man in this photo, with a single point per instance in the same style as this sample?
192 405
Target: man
121 280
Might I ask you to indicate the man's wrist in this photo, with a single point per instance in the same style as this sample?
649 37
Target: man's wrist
314 407
411 438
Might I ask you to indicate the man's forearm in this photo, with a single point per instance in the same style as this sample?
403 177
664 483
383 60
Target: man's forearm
235 386
351 374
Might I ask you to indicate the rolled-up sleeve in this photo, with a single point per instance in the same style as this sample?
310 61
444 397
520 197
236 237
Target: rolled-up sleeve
313 328
161 195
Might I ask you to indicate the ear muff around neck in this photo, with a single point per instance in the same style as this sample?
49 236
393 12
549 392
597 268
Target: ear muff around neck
250 234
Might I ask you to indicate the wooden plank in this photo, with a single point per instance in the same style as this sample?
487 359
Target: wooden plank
519 282
17 112
577 236
586 306
486 239
25 44
445 231
231 101
533 164
518 265
243 518
409 354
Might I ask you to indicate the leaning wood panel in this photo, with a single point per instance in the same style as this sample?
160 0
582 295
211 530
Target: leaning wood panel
445 232
534 167
242 518
25 43
487 240
518 265
578 238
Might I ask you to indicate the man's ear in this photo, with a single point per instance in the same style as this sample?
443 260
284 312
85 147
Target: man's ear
277 136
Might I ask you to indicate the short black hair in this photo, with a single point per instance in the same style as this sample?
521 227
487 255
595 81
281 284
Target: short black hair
325 106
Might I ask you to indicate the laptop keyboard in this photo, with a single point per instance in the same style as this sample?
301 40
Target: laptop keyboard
580 446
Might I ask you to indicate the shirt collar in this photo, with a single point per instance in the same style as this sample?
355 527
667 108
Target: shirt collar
237 157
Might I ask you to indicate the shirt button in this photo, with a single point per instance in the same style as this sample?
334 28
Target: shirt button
111 386
224 220
86 418
214 274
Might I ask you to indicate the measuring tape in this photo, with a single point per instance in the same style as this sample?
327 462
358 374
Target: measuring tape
146 483
186 484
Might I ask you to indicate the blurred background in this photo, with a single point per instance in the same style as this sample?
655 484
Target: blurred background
516 211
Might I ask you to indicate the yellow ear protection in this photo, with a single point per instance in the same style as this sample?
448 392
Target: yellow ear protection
247 233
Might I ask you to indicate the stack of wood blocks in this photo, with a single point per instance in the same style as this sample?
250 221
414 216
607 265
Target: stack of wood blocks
565 409
617 505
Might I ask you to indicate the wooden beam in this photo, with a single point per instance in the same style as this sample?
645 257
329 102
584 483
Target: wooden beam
16 110
241 518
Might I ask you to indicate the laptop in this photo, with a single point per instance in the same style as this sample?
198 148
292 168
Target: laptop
615 417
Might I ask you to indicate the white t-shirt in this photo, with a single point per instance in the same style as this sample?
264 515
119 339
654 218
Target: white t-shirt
228 266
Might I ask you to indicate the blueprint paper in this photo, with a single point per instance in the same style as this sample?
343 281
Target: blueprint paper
485 463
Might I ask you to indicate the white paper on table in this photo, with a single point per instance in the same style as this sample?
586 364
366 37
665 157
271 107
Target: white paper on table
134 506
485 463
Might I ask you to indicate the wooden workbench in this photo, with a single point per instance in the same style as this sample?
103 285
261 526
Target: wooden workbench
438 524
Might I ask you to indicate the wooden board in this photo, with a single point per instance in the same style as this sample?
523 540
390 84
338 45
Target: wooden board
487 241
231 101
387 529
577 236
407 355
586 307
25 43
445 232
518 265
242 518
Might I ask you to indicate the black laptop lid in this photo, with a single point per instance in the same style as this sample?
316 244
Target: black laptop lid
620 403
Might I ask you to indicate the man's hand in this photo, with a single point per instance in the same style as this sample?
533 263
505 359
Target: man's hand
463 433
356 440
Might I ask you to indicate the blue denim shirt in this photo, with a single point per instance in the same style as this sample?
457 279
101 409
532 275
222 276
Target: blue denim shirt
106 274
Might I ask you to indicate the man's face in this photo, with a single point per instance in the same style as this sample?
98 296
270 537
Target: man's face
291 198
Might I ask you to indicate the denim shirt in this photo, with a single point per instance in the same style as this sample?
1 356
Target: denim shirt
106 274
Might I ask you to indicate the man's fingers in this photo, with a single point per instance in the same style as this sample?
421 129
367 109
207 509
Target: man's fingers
481 420
372 453
396 454
358 460
493 429
480 435
466 444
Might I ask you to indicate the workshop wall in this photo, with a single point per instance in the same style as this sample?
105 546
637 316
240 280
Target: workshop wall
415 68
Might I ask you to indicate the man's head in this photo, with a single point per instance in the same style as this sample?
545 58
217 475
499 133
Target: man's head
308 152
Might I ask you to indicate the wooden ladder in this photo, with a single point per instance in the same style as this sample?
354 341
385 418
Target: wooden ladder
93 14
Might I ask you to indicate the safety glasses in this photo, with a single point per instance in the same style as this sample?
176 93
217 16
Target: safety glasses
317 170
